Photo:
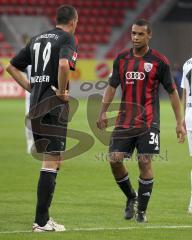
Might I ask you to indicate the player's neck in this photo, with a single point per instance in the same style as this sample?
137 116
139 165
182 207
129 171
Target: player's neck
64 28
140 52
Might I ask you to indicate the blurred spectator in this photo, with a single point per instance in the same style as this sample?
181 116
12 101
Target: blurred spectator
26 38
1 69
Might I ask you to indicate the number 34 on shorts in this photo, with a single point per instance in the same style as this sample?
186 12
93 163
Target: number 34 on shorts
154 140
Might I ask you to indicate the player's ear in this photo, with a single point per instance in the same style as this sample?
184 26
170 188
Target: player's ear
71 23
150 35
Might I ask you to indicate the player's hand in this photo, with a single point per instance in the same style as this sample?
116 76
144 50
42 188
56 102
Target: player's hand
180 131
63 96
102 121
184 125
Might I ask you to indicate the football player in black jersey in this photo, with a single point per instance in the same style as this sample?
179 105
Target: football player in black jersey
52 55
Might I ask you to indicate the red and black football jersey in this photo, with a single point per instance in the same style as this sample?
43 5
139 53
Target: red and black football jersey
139 78
43 53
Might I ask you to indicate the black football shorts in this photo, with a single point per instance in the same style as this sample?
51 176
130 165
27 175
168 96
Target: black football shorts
50 130
126 141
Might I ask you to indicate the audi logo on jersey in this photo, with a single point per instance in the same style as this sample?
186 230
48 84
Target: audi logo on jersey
135 75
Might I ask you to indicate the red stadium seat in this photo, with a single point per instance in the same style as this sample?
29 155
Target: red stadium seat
103 12
22 2
86 38
116 4
10 10
131 4
105 38
30 11
2 38
19 10
85 12
49 11
106 4
2 2
86 4
42 2
92 20
95 12
110 21
51 3
80 29
2 11
102 21
97 4
32 2
6 49
119 21
12 2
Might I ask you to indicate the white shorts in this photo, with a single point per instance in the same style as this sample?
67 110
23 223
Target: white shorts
189 136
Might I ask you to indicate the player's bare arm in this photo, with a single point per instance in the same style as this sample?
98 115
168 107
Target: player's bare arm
63 79
106 101
175 103
63 75
19 77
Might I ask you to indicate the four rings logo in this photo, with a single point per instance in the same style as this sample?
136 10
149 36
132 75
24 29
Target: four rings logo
135 75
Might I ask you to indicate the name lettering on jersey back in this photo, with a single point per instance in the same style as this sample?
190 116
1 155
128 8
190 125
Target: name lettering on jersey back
40 79
51 35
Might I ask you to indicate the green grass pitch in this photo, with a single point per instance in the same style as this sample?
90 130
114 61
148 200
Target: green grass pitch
87 199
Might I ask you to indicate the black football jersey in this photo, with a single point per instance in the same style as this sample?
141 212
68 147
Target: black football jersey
43 53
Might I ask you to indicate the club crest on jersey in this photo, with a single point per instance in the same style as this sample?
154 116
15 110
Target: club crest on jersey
148 67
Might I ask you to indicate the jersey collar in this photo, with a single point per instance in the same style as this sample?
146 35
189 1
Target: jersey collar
146 54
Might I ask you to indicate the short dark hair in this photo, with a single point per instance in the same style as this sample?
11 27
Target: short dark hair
143 22
65 13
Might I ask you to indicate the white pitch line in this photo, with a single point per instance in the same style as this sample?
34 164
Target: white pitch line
131 228
108 228
17 231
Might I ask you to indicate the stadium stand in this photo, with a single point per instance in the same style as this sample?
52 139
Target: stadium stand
97 17
125 38
5 48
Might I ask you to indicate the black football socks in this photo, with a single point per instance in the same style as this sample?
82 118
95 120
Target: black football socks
45 191
144 193
126 187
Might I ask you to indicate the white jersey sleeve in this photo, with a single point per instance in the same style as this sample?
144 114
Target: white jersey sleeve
186 83
183 77
186 78
29 135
